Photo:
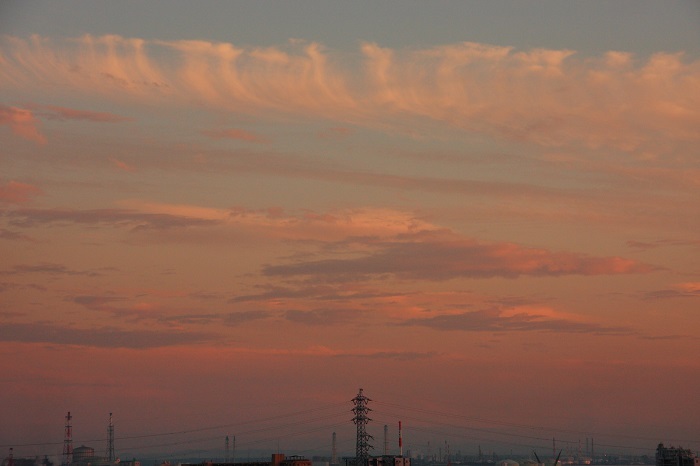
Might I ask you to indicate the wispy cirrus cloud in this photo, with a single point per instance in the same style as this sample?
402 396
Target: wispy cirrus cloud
150 307
444 260
15 192
324 317
678 290
375 242
616 100
391 355
101 337
49 269
646 245
323 292
136 220
52 112
236 134
14 236
22 123
523 319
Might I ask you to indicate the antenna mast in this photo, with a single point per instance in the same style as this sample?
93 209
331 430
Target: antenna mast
68 441
362 445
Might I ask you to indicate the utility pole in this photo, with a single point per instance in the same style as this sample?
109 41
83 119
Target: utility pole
362 445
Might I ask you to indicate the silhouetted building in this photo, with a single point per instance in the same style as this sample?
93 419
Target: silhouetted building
388 460
28 461
85 456
675 457
278 459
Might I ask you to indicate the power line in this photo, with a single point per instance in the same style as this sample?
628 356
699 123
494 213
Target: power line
194 430
439 415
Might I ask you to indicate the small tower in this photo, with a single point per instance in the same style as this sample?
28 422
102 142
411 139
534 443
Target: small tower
362 445
110 447
68 441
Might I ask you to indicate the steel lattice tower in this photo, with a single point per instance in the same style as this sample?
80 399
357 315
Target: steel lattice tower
110 446
362 445
68 441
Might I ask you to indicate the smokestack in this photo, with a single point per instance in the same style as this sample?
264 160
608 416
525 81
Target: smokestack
334 452
400 441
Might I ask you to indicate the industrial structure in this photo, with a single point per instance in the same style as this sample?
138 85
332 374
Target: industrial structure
675 457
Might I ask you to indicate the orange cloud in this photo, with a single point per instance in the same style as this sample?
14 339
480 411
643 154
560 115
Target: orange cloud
122 165
63 113
238 134
547 97
22 123
17 193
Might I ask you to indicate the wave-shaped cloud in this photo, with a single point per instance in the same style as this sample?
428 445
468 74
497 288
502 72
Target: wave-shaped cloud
547 97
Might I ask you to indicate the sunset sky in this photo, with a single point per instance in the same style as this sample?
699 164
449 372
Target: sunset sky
224 218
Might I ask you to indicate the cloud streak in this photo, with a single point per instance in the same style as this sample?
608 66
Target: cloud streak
52 112
15 192
49 269
236 134
519 320
444 260
22 123
133 219
101 337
